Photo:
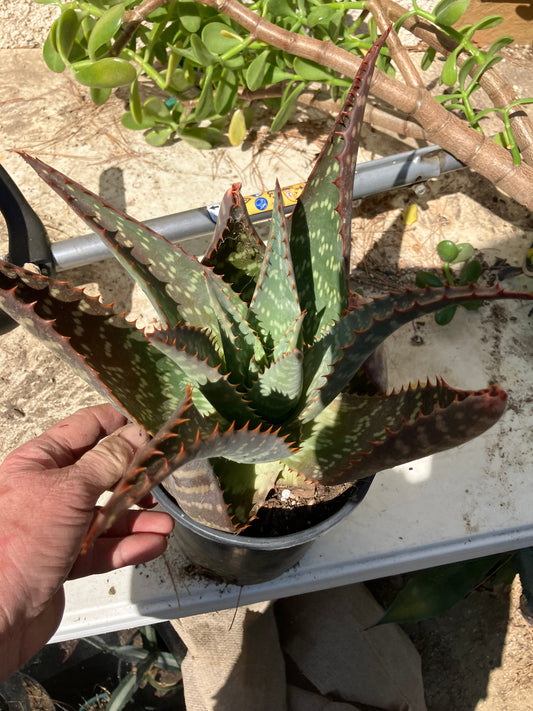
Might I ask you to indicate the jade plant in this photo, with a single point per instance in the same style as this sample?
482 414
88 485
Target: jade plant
255 379
195 70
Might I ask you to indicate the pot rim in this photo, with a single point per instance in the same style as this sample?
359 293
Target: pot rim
263 543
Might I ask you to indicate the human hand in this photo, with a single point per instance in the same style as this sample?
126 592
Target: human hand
48 493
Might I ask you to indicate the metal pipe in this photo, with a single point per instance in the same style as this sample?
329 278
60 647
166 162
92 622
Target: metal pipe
193 229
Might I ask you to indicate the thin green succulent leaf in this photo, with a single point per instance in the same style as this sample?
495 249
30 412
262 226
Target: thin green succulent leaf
105 29
448 12
236 253
185 438
291 340
288 104
243 351
245 486
198 360
174 281
102 347
275 308
357 436
431 592
331 362
320 226
278 389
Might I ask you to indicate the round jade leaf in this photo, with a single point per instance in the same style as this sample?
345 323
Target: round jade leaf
447 250
106 73
105 29
219 38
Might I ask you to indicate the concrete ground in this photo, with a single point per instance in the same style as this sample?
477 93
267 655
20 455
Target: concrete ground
480 656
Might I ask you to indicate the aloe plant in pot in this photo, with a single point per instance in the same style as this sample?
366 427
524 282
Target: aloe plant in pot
256 380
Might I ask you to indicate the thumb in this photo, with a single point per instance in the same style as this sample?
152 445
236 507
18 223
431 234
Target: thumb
100 468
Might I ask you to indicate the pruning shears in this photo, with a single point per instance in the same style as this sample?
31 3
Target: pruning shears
28 240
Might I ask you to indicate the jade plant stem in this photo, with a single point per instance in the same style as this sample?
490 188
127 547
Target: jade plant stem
442 127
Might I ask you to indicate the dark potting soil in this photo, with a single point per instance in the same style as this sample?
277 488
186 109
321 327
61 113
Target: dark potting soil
284 514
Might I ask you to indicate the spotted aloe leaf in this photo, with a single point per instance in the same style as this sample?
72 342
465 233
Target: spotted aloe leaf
333 361
358 435
321 222
275 310
200 366
175 282
188 437
105 349
260 346
276 404
236 252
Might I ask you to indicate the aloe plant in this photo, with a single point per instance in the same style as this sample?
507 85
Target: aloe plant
254 376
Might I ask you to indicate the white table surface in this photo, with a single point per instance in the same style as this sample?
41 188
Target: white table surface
472 501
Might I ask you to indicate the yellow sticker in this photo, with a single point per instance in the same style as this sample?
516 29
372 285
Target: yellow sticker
262 202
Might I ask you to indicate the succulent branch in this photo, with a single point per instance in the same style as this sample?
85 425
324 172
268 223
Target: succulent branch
500 93
440 126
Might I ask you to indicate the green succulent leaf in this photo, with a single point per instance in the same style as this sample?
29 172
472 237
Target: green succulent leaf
51 56
428 57
66 30
255 72
470 272
196 356
106 73
103 348
449 70
332 361
100 96
424 278
288 104
105 29
190 16
431 592
311 71
275 308
219 37
200 52
236 252
188 437
320 226
357 436
448 12
444 316
447 250
245 486
201 137
175 282
277 390
465 251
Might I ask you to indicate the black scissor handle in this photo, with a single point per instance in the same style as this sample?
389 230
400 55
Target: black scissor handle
28 241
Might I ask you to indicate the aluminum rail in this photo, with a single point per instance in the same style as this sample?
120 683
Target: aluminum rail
193 229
